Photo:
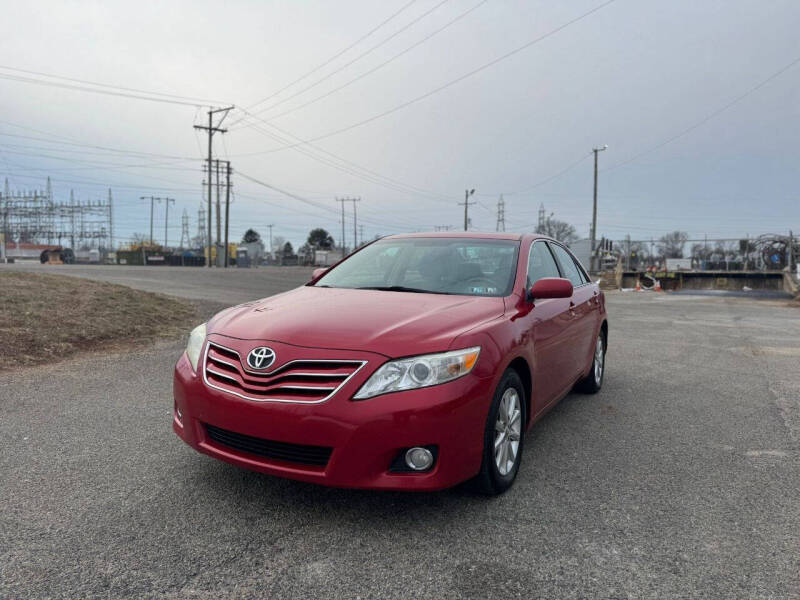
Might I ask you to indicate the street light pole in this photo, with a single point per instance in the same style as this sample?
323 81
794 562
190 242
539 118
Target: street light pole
593 260
467 203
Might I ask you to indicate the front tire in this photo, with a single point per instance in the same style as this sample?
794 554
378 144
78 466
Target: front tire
503 436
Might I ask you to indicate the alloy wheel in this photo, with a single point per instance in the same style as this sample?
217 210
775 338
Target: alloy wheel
508 428
599 360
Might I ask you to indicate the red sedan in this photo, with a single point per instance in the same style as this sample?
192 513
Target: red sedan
418 362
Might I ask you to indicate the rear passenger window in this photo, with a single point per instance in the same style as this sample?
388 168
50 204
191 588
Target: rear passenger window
571 270
541 264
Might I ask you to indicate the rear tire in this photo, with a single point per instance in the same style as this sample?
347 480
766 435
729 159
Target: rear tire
503 437
592 383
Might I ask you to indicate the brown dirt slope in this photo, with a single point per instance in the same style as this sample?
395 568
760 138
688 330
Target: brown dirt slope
46 318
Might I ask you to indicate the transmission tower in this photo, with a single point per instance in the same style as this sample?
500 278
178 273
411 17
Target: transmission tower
200 239
542 218
501 214
185 229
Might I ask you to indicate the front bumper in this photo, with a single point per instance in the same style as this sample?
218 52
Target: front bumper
365 435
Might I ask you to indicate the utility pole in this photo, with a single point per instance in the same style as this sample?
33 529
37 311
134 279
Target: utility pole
628 252
501 214
166 219
593 261
361 233
4 197
353 200
218 239
227 205
270 226
110 216
211 130
153 200
467 204
355 227
341 239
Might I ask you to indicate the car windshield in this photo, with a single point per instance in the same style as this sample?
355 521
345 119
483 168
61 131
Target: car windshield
465 266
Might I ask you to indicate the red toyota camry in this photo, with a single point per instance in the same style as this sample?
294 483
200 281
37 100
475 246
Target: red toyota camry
416 363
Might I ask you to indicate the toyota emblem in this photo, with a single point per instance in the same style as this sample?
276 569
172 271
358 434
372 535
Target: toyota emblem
261 357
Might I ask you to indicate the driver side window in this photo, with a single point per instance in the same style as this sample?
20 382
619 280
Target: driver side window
541 263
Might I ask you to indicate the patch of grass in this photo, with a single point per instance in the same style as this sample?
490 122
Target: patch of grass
46 318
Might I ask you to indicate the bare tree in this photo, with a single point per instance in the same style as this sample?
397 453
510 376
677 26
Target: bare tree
558 230
638 255
277 243
701 253
671 245
140 239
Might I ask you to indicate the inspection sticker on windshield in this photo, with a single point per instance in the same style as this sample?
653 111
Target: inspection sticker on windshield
482 290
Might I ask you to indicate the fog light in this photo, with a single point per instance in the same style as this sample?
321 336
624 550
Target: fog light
419 459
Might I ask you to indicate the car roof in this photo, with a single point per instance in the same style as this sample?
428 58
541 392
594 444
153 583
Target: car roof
460 234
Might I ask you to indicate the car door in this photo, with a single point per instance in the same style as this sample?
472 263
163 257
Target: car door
581 331
549 322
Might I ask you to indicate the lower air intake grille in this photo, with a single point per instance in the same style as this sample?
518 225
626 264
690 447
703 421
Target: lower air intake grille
296 453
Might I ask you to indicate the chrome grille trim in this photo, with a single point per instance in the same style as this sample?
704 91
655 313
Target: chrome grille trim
360 365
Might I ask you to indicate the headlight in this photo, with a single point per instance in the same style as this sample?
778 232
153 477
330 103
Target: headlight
195 344
418 372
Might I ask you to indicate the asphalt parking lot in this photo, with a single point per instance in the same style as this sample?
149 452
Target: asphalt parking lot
680 479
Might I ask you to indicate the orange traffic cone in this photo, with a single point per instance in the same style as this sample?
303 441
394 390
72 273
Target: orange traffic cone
638 286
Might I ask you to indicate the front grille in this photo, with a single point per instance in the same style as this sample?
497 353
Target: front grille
296 381
294 453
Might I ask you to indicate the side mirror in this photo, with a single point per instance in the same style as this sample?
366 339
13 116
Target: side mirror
317 273
551 287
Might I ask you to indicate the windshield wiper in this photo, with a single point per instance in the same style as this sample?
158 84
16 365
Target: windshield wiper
400 288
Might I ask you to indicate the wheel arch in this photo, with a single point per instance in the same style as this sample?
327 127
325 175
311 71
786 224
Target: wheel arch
523 369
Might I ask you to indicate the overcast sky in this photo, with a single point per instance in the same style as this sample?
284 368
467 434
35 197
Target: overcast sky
632 75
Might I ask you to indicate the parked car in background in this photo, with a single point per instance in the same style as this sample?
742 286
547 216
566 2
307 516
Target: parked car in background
416 363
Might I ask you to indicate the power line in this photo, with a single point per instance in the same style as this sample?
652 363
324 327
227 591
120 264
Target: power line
378 67
326 208
709 116
554 176
357 58
74 142
335 56
287 193
81 88
450 83
106 85
348 166
354 60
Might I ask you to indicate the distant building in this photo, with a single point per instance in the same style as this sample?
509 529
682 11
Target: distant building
582 249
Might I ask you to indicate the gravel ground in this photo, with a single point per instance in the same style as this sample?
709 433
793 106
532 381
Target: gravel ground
680 479
230 286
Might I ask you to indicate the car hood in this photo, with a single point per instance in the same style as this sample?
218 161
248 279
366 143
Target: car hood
389 323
